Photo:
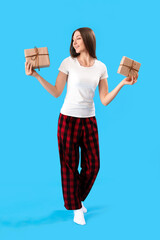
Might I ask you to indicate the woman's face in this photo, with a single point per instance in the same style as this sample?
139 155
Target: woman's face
78 43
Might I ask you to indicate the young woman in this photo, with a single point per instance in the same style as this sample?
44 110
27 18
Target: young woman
77 125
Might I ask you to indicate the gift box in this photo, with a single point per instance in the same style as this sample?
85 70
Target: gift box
128 65
39 57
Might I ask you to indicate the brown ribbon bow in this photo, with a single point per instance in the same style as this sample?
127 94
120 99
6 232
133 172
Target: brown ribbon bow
35 57
130 67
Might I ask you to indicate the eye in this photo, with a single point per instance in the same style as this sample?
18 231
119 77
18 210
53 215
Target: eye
77 39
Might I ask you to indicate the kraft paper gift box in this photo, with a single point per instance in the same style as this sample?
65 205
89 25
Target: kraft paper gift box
128 65
39 57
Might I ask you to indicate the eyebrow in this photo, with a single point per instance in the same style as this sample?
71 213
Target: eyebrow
77 36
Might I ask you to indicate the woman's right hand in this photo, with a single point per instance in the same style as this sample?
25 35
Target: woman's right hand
131 79
29 69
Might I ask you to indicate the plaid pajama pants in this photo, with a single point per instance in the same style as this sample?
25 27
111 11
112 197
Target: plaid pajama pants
74 132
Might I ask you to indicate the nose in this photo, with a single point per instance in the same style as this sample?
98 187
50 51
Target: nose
74 44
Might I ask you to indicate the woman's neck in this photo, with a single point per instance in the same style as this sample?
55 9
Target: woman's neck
85 60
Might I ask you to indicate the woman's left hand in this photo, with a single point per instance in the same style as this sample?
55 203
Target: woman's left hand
130 80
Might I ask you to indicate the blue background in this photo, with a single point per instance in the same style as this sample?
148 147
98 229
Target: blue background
124 201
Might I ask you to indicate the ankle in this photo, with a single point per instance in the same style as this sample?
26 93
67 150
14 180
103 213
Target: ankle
79 216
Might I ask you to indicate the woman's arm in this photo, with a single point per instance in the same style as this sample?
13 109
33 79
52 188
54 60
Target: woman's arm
111 95
107 97
49 87
56 90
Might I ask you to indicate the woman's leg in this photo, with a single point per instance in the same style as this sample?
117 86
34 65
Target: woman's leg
90 156
69 130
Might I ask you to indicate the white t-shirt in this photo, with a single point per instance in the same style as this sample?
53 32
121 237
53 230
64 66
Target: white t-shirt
81 85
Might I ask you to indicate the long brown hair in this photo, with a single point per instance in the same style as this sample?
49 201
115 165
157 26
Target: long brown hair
89 40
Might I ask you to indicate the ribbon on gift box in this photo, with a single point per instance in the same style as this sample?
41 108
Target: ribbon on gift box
35 57
130 67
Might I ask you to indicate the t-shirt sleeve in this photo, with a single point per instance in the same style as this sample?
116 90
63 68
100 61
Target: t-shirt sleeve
104 73
64 67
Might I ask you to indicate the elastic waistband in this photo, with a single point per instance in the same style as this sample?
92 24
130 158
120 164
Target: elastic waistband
66 116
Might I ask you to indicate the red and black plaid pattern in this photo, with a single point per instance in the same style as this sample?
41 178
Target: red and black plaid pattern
74 132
